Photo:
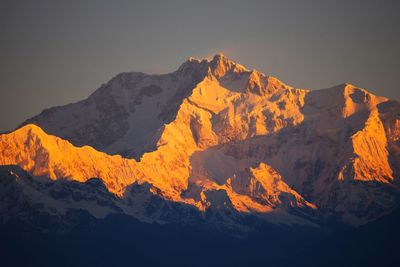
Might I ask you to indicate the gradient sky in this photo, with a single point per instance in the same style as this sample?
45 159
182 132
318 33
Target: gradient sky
57 52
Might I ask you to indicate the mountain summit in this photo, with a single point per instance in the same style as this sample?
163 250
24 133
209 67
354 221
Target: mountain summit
220 143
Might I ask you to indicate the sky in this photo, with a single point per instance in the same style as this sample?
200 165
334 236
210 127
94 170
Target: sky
57 52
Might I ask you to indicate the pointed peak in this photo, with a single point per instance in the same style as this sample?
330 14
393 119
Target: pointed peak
215 58
221 65
220 56
222 59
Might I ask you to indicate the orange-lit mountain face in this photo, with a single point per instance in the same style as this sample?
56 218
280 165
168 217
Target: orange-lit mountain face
214 136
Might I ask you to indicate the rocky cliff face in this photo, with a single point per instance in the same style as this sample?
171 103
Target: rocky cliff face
214 136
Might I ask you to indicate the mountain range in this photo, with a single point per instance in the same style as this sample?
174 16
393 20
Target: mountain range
211 144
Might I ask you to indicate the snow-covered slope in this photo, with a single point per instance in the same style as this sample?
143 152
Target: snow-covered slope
214 136
124 116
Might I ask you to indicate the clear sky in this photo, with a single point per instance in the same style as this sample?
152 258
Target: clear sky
57 52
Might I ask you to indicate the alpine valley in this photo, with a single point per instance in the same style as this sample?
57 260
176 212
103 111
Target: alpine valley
210 165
